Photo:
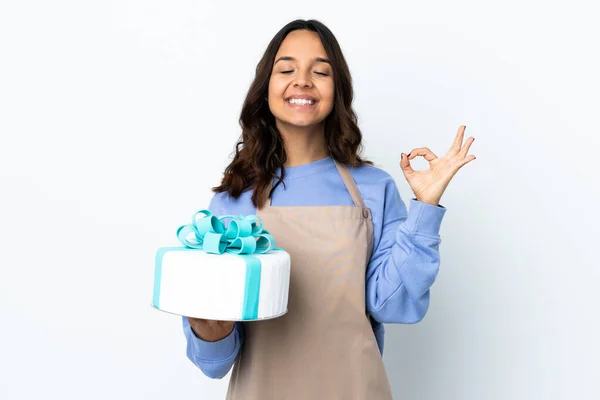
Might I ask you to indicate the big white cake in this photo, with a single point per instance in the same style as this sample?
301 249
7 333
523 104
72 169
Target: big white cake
227 273
223 287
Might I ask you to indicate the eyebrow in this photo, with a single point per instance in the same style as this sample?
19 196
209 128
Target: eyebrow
288 58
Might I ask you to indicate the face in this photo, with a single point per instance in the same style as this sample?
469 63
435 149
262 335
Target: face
301 87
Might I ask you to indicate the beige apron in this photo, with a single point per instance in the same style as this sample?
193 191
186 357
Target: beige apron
324 347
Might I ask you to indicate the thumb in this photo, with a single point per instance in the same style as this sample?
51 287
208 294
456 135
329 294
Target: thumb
405 164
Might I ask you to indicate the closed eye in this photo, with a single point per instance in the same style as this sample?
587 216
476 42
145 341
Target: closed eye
318 73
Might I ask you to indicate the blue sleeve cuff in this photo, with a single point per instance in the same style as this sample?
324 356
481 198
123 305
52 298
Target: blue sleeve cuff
424 218
215 351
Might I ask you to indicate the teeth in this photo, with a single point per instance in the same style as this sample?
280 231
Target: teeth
301 101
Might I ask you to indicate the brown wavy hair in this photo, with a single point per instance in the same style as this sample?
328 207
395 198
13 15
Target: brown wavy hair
260 150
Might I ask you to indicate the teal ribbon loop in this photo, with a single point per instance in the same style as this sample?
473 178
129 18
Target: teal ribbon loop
243 235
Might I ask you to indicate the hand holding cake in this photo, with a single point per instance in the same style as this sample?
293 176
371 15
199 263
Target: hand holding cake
211 330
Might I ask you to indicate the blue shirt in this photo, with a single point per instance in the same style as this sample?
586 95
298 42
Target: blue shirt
403 266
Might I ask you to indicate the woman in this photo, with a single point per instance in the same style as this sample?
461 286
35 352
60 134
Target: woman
358 258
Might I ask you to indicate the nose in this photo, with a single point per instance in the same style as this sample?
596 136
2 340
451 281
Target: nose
303 79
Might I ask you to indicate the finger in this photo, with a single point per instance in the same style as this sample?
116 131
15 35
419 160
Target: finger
458 139
405 164
424 152
466 160
465 149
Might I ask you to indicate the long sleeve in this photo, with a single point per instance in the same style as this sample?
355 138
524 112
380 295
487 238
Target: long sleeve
405 260
214 359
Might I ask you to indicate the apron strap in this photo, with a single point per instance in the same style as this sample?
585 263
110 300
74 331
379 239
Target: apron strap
356 197
267 202
350 184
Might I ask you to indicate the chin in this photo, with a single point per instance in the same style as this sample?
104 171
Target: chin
301 122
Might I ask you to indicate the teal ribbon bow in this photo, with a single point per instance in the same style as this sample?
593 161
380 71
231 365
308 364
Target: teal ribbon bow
243 235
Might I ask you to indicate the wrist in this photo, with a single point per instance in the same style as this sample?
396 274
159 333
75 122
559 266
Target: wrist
432 201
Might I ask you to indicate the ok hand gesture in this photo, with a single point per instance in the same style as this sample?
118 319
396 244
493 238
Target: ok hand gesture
429 185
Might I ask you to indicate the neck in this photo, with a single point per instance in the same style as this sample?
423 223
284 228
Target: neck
303 145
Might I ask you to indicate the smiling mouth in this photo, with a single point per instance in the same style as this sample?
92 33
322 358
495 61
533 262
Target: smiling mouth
301 102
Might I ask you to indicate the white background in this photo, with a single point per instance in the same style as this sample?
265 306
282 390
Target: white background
117 117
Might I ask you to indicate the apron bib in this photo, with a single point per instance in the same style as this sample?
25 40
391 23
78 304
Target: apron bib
324 347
